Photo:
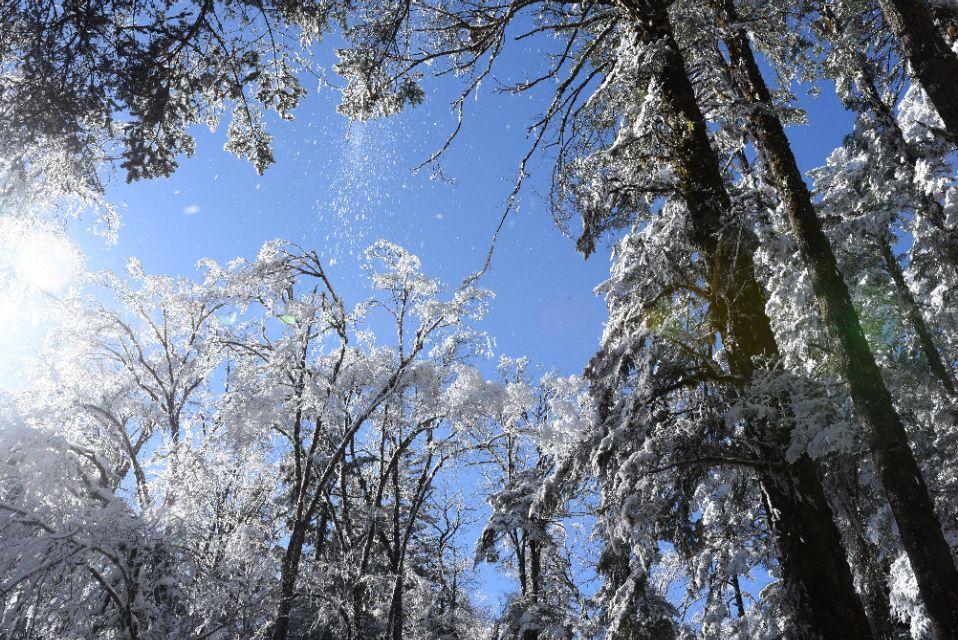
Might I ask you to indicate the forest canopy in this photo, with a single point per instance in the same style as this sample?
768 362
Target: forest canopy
764 443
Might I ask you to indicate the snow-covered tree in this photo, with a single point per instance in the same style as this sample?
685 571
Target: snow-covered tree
535 424
239 456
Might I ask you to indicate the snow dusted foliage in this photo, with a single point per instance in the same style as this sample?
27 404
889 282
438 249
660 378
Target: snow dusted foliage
366 429
240 455
245 455
539 423
120 83
71 546
180 520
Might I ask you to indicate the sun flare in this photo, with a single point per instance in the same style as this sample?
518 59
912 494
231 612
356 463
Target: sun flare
38 264
44 261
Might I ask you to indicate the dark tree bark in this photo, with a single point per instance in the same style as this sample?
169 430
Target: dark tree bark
396 613
901 477
535 558
520 545
933 64
739 600
813 561
289 571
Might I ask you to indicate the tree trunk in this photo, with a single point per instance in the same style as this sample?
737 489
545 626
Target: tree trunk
394 630
739 600
535 570
933 64
810 552
535 556
521 562
901 477
289 571
814 566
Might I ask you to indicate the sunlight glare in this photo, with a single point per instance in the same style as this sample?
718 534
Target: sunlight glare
44 261
38 264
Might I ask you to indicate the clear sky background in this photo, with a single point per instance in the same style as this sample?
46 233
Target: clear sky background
338 187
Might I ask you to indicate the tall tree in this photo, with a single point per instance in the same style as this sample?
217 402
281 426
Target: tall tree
535 420
801 514
901 476
323 402
200 457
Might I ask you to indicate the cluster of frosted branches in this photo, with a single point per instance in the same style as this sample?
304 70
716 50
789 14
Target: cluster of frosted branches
763 446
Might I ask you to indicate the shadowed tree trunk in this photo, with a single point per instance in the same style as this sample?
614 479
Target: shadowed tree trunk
901 477
535 571
289 571
809 547
933 64
739 600
396 613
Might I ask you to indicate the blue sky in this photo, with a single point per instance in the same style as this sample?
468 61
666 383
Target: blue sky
336 187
